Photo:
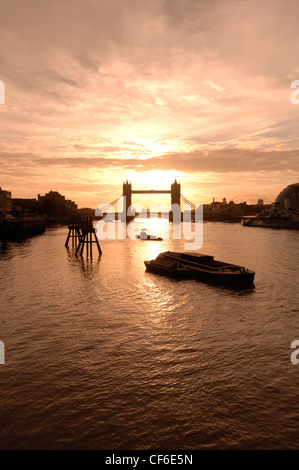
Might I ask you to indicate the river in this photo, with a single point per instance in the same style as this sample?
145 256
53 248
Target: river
100 354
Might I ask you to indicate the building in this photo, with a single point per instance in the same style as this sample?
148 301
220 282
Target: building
24 207
54 206
59 199
283 213
288 198
5 204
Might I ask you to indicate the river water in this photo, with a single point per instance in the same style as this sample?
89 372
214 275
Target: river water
100 354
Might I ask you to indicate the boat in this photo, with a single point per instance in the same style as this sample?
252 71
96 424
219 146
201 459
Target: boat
200 266
143 235
286 219
168 267
283 213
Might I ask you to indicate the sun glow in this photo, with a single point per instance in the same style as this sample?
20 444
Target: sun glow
157 148
155 179
152 180
145 147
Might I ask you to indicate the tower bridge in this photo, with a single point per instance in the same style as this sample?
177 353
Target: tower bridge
176 198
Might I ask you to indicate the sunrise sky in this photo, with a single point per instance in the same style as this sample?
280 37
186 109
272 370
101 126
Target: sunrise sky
97 91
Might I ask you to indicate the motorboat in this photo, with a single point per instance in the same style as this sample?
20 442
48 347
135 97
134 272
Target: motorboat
200 266
143 235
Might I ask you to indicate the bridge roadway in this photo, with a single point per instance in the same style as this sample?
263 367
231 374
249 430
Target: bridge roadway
151 191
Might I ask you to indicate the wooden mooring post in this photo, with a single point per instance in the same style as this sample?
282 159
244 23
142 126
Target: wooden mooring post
74 234
83 235
88 238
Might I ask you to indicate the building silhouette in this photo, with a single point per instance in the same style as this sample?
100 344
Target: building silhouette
54 204
5 204
288 198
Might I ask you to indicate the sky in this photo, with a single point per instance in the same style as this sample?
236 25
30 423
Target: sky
99 91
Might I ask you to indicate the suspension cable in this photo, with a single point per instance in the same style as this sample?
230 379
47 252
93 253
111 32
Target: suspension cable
111 204
186 201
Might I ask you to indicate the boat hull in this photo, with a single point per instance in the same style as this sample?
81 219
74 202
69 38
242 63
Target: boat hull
201 267
164 271
271 222
232 279
153 239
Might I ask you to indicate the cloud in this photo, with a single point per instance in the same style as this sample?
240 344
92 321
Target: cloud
229 160
215 161
90 83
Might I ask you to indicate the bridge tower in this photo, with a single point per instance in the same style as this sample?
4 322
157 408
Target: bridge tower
127 192
176 193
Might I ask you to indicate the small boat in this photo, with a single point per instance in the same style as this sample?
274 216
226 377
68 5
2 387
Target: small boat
143 235
200 266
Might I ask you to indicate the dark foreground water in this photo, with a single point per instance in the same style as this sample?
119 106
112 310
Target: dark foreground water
102 355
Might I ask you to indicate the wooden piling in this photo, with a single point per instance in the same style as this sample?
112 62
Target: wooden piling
88 238
74 234
83 235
